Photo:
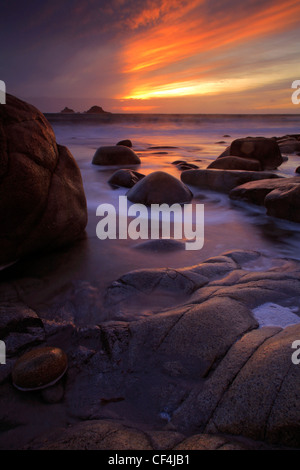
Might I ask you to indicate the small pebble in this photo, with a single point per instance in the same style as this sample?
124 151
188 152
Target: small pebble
39 368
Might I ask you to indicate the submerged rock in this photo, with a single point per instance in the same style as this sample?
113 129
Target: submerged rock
284 203
115 155
256 191
39 368
42 200
159 187
161 246
183 166
125 178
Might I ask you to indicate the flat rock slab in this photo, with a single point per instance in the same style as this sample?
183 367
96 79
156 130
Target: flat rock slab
115 155
222 180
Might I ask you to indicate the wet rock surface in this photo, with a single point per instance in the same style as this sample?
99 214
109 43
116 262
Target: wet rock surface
39 368
42 201
199 372
235 163
222 180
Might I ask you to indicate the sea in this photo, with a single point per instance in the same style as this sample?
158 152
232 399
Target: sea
159 140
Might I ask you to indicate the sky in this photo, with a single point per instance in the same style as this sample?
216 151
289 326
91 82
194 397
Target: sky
152 56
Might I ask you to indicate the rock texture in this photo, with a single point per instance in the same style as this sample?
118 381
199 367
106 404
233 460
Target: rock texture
67 110
197 373
42 201
39 368
280 197
158 188
222 180
115 155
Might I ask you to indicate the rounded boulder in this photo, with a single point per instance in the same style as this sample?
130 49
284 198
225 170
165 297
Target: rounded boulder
115 155
159 187
42 200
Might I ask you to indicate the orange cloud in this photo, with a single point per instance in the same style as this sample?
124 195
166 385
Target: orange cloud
180 38
136 108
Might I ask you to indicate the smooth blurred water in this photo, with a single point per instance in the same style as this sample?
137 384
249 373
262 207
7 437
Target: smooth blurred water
198 139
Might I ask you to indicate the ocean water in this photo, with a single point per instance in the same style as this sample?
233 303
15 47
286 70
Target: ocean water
159 140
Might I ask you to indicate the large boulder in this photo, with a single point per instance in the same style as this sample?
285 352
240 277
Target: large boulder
289 143
158 188
42 201
284 202
281 197
200 371
263 149
255 192
222 180
115 155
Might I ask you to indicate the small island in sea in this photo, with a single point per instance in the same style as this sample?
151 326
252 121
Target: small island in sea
96 110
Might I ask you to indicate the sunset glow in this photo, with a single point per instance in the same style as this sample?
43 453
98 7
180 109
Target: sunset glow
227 55
148 56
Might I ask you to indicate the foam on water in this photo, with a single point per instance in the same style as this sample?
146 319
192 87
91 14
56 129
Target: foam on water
271 314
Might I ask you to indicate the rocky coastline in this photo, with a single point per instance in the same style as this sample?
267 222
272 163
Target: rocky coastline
198 370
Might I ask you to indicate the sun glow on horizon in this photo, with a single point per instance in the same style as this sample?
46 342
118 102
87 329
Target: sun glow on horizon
194 88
